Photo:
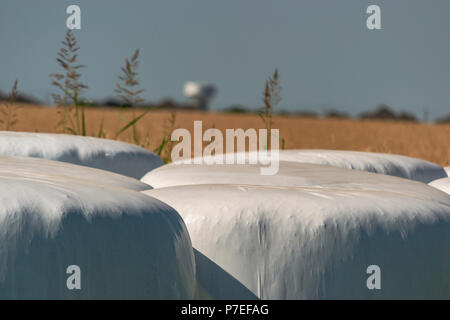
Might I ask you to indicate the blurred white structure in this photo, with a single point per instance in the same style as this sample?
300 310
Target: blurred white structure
201 93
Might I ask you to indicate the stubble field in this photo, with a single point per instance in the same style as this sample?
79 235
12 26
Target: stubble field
426 141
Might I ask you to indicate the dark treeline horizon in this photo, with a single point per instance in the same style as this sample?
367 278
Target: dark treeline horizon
380 112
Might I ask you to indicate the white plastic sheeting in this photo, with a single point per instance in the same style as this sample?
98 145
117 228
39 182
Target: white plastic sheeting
389 164
441 184
290 174
118 157
33 169
310 232
52 216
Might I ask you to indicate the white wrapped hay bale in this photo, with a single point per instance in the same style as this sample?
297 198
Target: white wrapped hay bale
126 244
290 174
389 164
310 232
34 169
441 184
110 155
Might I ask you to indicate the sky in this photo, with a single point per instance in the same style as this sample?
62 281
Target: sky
326 56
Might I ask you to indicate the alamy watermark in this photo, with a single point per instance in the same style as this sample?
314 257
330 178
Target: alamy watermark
73 282
235 140
374 280
373 22
74 20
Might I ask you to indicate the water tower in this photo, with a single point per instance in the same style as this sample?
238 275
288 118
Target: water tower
201 93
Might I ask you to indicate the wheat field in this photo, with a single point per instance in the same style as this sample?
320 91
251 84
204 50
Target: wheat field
426 141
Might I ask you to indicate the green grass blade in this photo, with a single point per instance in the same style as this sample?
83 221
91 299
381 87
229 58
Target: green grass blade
101 134
131 123
83 122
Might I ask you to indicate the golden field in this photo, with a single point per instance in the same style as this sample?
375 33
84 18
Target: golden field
426 141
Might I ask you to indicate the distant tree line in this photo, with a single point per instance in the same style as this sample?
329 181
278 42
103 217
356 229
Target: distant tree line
20 98
381 112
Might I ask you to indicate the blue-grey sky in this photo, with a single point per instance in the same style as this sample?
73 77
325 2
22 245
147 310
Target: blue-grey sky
326 56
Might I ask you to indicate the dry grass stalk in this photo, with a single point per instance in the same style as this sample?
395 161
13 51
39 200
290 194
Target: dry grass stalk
125 89
8 110
271 98
72 115
128 91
